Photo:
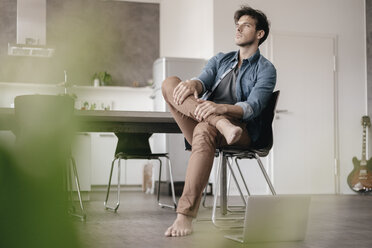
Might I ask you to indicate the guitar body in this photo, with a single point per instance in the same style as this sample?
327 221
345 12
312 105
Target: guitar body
360 179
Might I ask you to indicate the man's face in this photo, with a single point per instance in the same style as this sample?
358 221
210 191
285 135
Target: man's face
246 33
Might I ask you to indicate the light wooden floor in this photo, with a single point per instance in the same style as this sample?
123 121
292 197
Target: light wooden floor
335 221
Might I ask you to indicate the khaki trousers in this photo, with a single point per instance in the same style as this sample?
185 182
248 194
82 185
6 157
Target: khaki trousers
204 139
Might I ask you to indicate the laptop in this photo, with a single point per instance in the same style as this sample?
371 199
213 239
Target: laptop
274 219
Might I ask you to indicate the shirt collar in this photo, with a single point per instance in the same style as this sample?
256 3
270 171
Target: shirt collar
250 60
235 58
254 57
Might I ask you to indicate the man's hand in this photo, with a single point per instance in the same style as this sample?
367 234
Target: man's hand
206 108
185 89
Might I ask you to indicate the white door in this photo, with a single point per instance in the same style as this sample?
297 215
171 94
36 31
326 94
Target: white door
304 128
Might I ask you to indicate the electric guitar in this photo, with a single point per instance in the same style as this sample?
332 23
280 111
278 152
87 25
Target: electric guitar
360 179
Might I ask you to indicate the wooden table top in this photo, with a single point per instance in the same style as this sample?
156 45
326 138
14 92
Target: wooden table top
111 121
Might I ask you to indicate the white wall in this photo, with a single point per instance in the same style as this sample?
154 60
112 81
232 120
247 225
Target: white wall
343 18
186 28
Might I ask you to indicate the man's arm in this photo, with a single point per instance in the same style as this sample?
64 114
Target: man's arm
260 94
207 108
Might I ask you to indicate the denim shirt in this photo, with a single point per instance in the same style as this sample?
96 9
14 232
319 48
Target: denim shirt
254 84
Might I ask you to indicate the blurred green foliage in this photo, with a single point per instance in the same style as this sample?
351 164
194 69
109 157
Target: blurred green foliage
34 207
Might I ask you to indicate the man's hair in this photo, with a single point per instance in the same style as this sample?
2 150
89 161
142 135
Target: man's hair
261 20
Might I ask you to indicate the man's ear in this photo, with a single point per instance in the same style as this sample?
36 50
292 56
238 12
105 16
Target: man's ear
260 34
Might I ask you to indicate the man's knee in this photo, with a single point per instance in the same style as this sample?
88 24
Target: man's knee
168 86
204 133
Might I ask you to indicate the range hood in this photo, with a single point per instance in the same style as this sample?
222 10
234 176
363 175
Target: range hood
31 30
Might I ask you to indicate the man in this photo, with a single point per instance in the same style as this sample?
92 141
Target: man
237 86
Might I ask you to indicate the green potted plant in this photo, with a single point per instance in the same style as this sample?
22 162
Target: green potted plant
103 77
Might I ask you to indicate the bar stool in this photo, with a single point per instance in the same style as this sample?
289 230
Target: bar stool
136 146
45 126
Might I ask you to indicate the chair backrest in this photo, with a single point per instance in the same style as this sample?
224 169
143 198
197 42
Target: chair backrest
265 140
133 144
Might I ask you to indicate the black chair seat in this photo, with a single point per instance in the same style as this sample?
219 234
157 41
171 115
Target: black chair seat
245 153
141 156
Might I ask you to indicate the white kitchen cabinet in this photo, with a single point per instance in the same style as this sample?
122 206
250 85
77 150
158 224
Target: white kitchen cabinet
81 151
103 152
103 149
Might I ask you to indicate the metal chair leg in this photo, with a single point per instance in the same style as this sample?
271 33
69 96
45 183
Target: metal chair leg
216 193
204 198
69 184
159 180
205 192
218 187
241 175
172 185
205 195
223 184
228 176
82 216
236 182
115 208
265 174
214 219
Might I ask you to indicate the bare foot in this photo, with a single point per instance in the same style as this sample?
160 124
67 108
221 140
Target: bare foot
231 132
181 226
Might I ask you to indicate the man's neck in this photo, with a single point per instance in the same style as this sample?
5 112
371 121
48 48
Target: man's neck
246 52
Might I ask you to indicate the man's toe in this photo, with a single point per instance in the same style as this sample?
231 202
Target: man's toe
168 232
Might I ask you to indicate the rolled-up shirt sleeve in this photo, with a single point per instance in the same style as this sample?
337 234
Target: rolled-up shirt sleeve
260 94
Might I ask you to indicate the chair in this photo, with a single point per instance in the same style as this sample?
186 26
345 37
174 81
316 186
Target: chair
260 148
44 130
136 146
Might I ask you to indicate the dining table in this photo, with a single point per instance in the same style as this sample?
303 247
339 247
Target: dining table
128 126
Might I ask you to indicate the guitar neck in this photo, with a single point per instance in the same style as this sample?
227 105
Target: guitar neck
364 159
